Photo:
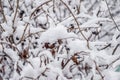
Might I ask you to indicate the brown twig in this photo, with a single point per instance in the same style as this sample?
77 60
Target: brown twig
39 7
15 15
10 45
66 63
109 45
23 34
2 28
5 54
115 49
43 73
112 16
3 11
79 6
113 62
10 5
76 22
97 68
30 18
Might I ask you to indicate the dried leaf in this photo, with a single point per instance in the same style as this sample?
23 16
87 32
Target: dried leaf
74 59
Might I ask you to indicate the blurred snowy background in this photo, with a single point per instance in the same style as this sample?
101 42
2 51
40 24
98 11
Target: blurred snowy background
59 39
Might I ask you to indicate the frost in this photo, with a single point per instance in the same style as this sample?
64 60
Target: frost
12 54
19 33
111 75
28 2
59 32
77 45
59 40
46 53
29 72
42 19
103 6
92 22
26 19
0 48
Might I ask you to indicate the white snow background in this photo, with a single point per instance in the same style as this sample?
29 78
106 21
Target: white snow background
59 40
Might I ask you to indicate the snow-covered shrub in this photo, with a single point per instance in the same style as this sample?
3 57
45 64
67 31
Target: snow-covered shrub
59 40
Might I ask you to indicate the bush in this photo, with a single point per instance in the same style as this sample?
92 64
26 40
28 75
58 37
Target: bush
59 40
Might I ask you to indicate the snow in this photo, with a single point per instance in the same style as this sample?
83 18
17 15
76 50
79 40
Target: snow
42 19
111 75
43 42
59 32
28 71
26 19
94 20
47 53
103 6
28 2
77 45
19 33
7 28
12 54
0 48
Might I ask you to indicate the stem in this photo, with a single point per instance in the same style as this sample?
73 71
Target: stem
115 49
23 33
39 7
66 63
10 4
112 16
113 62
2 28
15 15
3 12
76 23
97 68
30 18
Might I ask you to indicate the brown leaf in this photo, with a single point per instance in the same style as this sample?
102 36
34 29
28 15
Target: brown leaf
60 41
25 54
46 45
52 51
74 59
52 46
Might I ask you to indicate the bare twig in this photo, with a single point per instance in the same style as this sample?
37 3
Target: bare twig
15 15
112 16
39 7
113 62
115 49
43 73
10 5
3 11
10 45
97 68
5 54
76 22
66 63
23 34
30 18
109 45
2 28
79 6
33 34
